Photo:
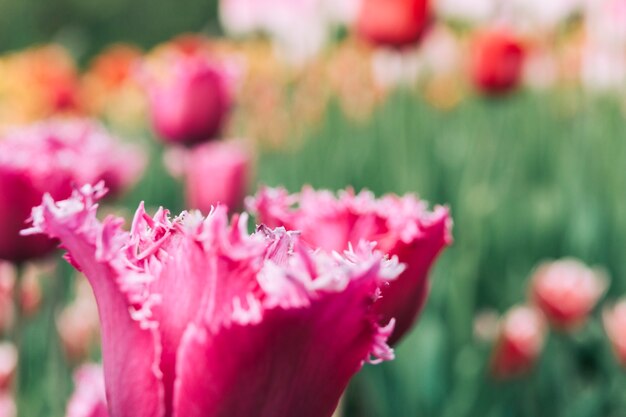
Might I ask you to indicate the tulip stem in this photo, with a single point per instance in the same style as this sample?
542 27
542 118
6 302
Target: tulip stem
17 330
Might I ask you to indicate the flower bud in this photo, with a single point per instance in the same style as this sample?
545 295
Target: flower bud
497 61
520 341
567 291
394 23
190 102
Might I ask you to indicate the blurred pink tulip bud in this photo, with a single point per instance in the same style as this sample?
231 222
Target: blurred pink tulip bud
7 305
7 405
199 318
614 319
78 324
567 291
49 157
30 295
519 344
214 173
89 397
190 103
486 326
8 365
400 226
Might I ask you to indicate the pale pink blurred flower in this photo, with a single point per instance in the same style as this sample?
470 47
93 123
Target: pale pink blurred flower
533 15
7 306
486 326
470 11
393 68
30 293
605 23
541 68
400 226
614 319
89 398
567 291
298 28
7 405
214 173
78 325
519 343
199 318
189 97
8 365
603 67
49 157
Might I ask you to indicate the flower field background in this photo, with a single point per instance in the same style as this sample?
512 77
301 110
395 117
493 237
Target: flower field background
529 177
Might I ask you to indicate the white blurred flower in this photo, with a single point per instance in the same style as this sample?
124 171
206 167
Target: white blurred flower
470 11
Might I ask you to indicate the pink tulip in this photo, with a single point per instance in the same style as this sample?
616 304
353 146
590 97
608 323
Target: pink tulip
214 173
190 103
88 399
567 291
199 318
520 341
8 365
400 226
614 319
49 157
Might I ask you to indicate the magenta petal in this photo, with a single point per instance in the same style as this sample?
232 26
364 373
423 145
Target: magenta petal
400 226
130 342
314 329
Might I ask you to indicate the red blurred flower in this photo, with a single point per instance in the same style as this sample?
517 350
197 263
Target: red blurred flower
190 100
567 291
400 226
614 319
49 157
394 23
520 341
89 397
214 173
497 61
201 319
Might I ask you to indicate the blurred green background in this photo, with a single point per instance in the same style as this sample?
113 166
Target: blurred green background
86 26
528 177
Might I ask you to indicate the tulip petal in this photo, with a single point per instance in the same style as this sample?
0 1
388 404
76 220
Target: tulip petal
130 341
314 328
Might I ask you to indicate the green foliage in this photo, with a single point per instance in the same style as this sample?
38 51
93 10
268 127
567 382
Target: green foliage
86 26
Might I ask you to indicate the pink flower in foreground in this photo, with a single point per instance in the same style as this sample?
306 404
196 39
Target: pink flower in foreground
89 398
191 101
214 173
400 226
521 339
614 319
199 318
49 157
567 291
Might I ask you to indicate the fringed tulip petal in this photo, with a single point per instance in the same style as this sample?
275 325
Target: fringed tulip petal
400 226
134 386
309 327
192 308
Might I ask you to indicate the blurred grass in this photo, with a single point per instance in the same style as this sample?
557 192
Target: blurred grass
530 177
86 26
